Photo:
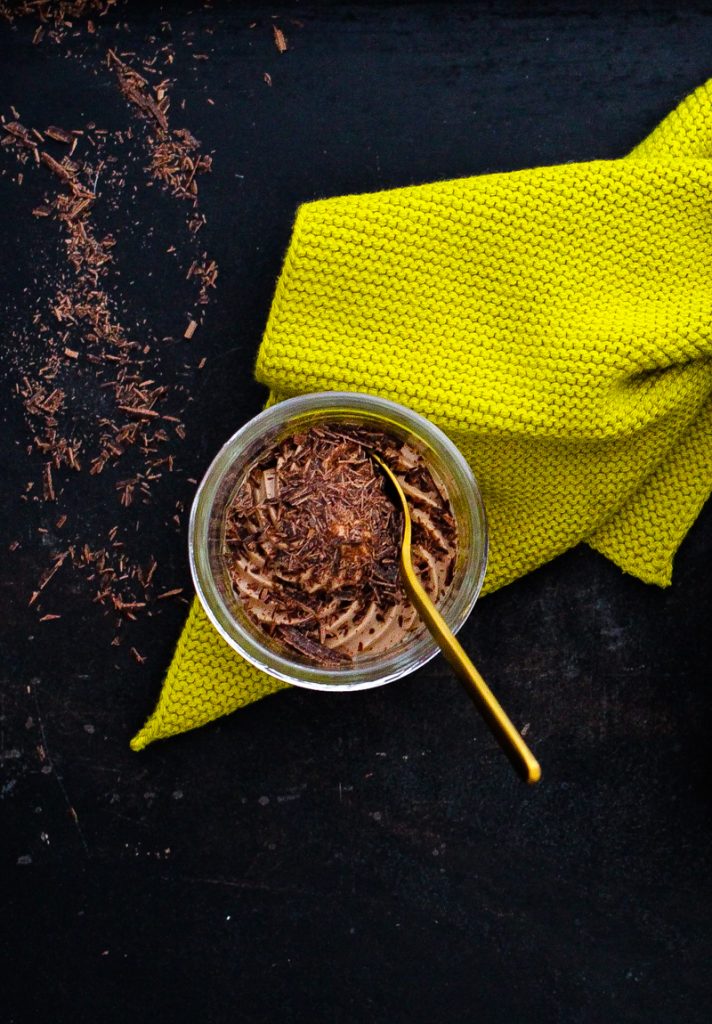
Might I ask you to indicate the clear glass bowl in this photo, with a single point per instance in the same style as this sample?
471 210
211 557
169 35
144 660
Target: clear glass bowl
228 469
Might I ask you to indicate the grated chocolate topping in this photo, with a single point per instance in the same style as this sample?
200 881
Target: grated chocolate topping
312 542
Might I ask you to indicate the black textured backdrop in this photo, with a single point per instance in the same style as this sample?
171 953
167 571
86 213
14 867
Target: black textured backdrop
322 858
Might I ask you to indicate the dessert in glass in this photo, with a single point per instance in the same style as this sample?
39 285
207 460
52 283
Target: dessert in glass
295 538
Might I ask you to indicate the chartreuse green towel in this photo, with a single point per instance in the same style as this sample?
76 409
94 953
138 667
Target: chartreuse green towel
555 322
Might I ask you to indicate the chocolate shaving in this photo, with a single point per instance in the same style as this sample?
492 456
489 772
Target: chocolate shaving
80 372
48 575
47 483
313 650
59 169
136 89
280 40
59 135
60 15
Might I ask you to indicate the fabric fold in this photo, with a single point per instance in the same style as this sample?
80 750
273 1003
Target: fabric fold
554 322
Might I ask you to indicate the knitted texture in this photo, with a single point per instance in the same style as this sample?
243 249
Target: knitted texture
554 322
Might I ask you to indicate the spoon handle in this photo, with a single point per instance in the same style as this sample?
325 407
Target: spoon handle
491 710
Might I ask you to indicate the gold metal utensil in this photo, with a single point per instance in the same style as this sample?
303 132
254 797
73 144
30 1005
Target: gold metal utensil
504 732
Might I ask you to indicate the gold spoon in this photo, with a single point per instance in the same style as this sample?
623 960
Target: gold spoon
492 711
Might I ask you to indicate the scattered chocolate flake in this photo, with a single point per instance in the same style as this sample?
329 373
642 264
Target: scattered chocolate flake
144 413
190 329
207 273
60 169
140 658
82 356
47 575
59 135
49 617
59 15
137 90
47 483
267 78
280 40
175 156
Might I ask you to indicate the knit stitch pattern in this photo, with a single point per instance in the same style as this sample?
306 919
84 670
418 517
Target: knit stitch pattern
554 322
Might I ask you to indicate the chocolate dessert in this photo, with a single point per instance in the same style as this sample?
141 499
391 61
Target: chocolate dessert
312 542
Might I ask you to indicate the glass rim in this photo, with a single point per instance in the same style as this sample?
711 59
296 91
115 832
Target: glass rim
378 669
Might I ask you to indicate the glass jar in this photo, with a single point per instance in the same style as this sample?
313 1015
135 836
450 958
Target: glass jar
229 468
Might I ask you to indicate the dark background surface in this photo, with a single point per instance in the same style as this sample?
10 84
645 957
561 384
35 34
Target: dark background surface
368 857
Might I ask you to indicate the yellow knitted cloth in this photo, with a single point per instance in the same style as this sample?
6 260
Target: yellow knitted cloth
554 322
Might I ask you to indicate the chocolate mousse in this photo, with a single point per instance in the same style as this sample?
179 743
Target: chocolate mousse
312 542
